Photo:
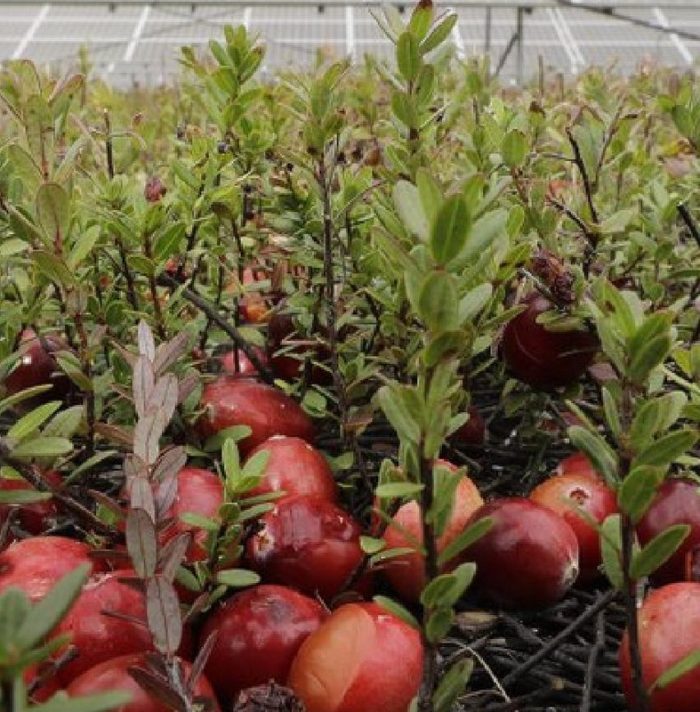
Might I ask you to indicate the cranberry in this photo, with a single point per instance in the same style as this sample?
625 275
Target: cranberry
669 630
258 634
230 401
572 492
308 543
545 359
529 557
362 658
294 467
676 502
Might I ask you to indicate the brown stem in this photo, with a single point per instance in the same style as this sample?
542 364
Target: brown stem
584 175
211 312
126 271
87 370
63 500
153 287
108 145
425 695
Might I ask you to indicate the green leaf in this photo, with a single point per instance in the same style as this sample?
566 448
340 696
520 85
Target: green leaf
231 460
420 22
514 148
237 578
409 207
23 496
438 303
15 398
445 590
396 609
83 247
400 417
638 490
404 110
598 451
666 449
617 222
452 685
647 357
439 623
658 551
408 56
53 211
46 614
32 421
612 414
371 545
439 33
53 268
43 447
473 533
235 433
91 703
430 195
611 548
450 229
393 490
676 671
474 301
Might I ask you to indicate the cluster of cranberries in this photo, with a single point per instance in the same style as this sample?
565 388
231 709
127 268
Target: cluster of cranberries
307 552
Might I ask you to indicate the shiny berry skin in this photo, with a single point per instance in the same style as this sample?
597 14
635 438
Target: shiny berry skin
406 572
669 630
294 467
544 359
99 637
33 518
308 543
473 432
244 367
35 565
677 502
569 492
38 367
230 401
259 633
529 557
113 675
362 658
198 492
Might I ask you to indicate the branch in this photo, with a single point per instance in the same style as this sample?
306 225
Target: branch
68 503
584 174
210 311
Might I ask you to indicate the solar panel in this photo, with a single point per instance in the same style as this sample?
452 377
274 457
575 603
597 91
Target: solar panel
129 41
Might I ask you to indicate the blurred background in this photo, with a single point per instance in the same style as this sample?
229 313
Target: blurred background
127 42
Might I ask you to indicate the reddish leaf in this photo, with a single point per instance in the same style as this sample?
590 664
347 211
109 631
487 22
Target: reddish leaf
141 542
163 611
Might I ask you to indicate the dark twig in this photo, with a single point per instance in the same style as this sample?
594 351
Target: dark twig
584 174
555 642
210 311
596 650
68 503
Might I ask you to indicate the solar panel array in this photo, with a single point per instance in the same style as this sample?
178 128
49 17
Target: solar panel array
131 43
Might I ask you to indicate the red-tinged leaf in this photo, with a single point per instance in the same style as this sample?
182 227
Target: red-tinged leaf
158 687
141 542
170 462
147 434
143 384
128 356
147 346
141 496
164 396
186 386
170 351
172 554
165 497
115 434
134 467
201 660
163 611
